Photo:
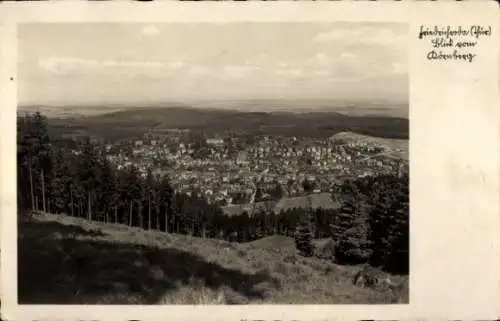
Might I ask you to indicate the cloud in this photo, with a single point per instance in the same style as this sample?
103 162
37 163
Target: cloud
198 71
290 72
239 72
360 53
149 30
320 58
362 36
59 66
348 57
175 65
66 66
322 73
314 74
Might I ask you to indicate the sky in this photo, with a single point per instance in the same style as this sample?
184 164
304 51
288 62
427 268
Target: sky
134 64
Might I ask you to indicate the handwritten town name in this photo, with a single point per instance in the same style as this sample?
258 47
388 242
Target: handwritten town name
453 43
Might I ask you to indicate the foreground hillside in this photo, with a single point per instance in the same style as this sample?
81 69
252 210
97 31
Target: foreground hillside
65 260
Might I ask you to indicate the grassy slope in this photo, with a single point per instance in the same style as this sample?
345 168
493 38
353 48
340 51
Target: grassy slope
64 260
389 143
319 200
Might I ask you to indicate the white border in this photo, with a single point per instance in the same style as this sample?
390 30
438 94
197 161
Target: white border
453 148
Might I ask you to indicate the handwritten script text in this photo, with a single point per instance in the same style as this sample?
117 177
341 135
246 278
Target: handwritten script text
453 42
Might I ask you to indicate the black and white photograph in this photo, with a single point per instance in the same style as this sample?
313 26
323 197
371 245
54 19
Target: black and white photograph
211 163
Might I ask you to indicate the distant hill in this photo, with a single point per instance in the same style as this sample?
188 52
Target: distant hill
353 108
67 112
136 122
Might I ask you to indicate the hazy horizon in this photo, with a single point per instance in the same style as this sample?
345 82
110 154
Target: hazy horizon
216 103
126 65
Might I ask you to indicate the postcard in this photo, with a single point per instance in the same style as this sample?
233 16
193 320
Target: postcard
250 160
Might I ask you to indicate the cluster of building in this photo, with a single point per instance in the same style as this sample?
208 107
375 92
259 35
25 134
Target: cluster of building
231 170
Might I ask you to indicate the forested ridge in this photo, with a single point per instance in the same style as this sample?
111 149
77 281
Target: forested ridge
371 226
135 122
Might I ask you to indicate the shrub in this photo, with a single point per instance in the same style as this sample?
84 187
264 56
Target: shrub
290 259
326 251
368 276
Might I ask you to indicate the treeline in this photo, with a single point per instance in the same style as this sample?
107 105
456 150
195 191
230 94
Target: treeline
370 227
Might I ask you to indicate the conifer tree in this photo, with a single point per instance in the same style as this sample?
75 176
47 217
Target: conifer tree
149 192
166 197
304 235
61 183
89 175
350 230
34 156
355 246
344 218
131 192
389 223
108 188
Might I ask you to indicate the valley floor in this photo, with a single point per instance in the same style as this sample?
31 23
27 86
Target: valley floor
65 260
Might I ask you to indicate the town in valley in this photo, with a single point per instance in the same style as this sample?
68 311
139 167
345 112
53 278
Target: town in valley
238 167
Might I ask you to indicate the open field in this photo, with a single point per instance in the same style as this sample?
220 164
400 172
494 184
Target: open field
94 263
399 148
319 200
